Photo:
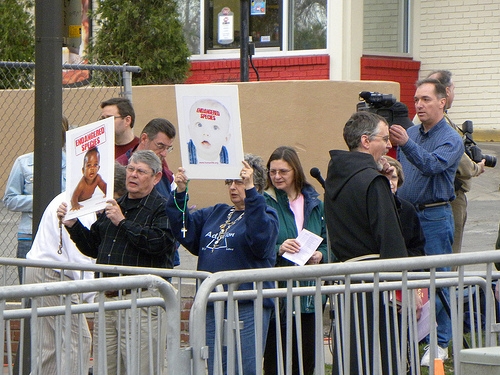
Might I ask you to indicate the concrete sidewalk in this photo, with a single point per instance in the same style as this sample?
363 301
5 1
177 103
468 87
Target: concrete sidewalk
483 213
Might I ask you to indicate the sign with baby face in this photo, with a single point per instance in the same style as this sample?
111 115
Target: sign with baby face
210 130
90 167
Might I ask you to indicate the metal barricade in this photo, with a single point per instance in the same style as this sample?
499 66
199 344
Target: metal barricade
362 296
129 301
361 306
65 347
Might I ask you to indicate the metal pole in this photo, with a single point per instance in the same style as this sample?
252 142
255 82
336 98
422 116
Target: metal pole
48 119
245 34
127 83
48 105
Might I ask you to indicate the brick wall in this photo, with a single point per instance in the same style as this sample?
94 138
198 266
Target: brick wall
269 69
402 70
463 37
15 336
186 304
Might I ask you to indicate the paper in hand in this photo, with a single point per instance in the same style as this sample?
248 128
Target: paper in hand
424 323
309 242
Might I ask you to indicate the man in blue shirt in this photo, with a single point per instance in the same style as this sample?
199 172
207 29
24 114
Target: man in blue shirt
430 154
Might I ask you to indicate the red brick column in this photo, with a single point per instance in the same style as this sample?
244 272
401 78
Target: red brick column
397 69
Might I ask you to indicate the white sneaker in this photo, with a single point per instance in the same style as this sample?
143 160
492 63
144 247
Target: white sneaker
441 353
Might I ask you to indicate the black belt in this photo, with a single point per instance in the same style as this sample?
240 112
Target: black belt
116 293
422 207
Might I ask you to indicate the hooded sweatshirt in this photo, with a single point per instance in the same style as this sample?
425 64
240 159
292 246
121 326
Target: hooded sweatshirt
361 214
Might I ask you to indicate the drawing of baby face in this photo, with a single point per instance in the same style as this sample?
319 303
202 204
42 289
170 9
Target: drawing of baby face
209 123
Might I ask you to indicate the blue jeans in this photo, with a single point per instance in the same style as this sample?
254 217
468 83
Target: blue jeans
177 258
247 333
24 242
437 224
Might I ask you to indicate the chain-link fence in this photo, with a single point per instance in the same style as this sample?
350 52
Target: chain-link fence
84 88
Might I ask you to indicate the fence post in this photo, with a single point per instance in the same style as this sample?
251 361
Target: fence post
127 83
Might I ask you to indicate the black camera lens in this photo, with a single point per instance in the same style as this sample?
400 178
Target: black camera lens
376 99
472 149
490 161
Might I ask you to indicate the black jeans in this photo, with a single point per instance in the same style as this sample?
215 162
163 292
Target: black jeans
308 349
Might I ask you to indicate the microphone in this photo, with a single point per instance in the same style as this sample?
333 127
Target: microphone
316 173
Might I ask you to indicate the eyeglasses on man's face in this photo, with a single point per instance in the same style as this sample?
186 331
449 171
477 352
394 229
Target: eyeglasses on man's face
163 146
139 171
385 138
102 117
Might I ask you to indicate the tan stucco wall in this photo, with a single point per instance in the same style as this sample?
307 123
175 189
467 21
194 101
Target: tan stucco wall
308 115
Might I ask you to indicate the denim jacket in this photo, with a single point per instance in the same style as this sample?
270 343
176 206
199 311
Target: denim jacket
19 190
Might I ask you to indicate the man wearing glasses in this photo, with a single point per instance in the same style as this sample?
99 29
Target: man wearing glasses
123 112
360 211
363 223
133 230
158 136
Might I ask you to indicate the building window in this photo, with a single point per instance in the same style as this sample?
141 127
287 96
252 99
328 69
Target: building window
264 24
305 22
189 12
308 20
265 29
386 26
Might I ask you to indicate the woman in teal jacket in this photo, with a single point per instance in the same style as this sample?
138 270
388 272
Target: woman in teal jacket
298 207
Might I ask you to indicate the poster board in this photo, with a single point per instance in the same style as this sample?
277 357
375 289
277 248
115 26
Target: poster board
90 167
210 131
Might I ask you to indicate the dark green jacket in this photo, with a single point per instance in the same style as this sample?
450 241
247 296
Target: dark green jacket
313 222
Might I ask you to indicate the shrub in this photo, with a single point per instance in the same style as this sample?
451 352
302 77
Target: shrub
146 33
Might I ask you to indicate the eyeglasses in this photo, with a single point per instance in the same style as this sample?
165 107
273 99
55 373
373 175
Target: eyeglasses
162 146
385 138
108 116
282 172
236 182
140 172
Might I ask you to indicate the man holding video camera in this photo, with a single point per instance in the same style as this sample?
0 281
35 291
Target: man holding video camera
430 154
467 168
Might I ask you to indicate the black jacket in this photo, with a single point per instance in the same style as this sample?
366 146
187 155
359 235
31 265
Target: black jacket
360 210
412 230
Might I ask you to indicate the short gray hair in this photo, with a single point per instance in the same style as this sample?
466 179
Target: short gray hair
359 124
259 171
147 157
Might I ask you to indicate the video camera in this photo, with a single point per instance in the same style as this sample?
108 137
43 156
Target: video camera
378 103
472 149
